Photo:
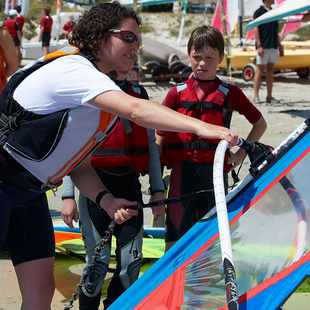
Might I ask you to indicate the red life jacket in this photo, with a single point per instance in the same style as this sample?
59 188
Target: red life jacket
212 109
127 145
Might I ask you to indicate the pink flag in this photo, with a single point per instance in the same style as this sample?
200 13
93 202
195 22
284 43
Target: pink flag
217 17
231 15
293 23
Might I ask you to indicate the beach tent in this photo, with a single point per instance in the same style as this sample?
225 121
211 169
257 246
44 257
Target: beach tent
286 9
269 217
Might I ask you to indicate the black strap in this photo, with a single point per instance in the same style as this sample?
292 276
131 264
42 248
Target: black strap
195 145
100 196
121 152
202 106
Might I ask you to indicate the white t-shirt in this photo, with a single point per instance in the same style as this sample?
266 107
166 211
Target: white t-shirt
66 82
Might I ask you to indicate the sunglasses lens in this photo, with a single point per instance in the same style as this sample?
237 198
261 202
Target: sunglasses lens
130 37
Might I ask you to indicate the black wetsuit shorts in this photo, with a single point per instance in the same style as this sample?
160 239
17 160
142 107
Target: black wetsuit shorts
26 228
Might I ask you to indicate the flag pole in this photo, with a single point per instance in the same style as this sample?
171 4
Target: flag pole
58 11
226 33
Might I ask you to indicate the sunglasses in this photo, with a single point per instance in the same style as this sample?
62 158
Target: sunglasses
126 36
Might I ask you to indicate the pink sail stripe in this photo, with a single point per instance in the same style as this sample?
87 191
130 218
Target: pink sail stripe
217 17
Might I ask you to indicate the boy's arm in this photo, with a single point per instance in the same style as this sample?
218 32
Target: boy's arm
258 129
157 187
69 212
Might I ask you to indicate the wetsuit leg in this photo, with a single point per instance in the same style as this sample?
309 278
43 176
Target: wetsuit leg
129 260
128 235
93 274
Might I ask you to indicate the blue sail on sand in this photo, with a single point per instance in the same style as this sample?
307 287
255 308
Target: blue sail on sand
269 216
288 8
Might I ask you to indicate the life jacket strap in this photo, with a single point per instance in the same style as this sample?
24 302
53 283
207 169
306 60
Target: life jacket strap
195 145
7 124
121 152
201 106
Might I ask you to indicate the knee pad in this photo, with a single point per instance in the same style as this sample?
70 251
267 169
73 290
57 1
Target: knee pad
130 257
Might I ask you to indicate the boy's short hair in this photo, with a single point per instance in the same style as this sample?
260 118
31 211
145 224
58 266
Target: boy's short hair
206 36
47 10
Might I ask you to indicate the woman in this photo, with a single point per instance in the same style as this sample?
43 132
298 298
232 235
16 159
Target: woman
49 135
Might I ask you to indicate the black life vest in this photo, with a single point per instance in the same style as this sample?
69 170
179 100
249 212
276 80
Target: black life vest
49 146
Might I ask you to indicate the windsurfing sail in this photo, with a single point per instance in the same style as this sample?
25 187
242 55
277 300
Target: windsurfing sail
288 8
269 218
230 11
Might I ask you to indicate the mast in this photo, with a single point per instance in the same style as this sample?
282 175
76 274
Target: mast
58 11
184 11
240 19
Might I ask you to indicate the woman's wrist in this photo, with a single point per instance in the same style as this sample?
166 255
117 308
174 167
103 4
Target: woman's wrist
100 196
67 197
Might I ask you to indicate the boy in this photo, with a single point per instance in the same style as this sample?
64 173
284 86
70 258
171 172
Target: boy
206 97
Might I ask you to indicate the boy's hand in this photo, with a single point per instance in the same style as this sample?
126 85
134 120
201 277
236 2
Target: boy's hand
121 210
236 159
69 212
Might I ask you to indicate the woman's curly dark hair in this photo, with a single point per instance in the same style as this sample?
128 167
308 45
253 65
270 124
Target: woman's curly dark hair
93 26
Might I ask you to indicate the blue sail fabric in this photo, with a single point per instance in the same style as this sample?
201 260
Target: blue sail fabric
270 231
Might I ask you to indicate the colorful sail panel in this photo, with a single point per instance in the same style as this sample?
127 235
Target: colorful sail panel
269 217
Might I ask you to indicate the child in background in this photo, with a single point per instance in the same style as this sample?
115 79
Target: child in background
46 23
127 151
208 98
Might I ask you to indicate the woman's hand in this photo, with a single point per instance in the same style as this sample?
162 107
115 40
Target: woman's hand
120 210
69 212
218 132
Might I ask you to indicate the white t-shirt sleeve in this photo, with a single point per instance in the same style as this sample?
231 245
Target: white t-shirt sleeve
66 82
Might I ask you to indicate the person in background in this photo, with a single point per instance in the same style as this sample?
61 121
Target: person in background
46 24
8 56
68 26
306 17
268 48
54 113
209 99
13 28
127 152
20 19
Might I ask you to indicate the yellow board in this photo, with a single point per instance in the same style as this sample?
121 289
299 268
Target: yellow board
296 56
